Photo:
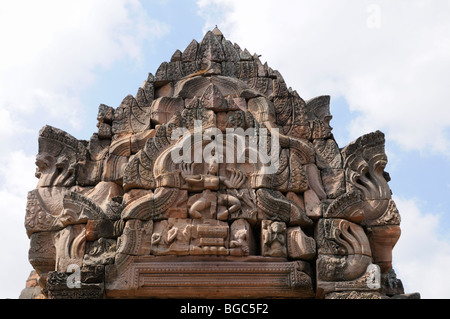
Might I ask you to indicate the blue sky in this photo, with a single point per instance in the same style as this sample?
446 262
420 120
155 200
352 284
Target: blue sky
384 63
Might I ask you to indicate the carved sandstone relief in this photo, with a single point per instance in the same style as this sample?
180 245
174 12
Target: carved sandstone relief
214 180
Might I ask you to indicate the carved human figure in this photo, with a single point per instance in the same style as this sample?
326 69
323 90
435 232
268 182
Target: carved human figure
242 242
198 182
210 181
274 238
171 237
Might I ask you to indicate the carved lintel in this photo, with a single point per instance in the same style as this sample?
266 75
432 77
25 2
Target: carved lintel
151 277
353 295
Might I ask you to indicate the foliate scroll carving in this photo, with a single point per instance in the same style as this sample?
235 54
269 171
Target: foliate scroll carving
273 205
347 206
44 206
138 172
136 238
131 117
298 213
163 203
78 209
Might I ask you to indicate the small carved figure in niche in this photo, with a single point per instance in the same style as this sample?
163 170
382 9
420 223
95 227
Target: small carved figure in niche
274 239
242 242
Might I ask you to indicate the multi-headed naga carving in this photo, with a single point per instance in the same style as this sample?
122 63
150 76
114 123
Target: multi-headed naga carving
216 178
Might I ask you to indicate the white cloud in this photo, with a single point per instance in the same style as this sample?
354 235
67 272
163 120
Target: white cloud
421 258
17 178
396 75
51 53
53 49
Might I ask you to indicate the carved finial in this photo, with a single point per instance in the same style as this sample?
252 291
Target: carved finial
217 32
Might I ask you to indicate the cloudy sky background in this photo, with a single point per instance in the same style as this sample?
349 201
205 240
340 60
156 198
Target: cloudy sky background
385 63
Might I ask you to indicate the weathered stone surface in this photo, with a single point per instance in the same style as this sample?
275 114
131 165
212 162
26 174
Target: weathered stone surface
164 108
136 238
299 245
209 237
242 242
313 207
333 181
70 246
336 236
369 280
171 237
273 239
42 253
382 241
216 180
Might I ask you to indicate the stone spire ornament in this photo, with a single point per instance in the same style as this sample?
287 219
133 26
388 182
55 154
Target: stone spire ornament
214 181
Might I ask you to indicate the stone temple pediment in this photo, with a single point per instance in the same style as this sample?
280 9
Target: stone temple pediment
215 180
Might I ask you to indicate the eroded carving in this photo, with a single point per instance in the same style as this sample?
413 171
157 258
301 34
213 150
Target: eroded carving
218 178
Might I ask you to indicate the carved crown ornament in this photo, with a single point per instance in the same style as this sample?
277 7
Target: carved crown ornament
215 180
